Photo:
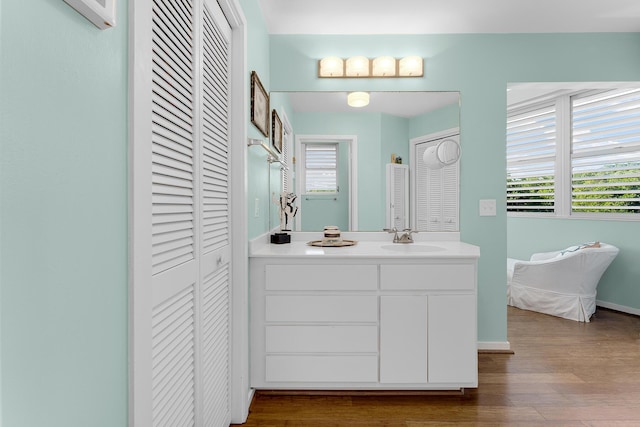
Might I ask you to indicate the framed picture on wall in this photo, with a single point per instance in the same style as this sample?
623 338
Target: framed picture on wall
102 13
276 131
259 105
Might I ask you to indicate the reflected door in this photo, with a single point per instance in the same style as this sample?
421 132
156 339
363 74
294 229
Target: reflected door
326 186
436 192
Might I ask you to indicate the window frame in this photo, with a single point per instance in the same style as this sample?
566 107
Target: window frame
303 177
563 161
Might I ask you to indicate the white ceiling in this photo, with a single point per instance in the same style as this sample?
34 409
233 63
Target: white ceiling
449 16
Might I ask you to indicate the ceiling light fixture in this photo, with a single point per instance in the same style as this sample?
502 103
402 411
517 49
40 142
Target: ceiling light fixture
361 66
358 99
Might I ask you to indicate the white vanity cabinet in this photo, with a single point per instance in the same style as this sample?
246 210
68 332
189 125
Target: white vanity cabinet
363 322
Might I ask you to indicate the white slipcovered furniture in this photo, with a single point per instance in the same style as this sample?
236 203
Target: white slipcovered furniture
561 283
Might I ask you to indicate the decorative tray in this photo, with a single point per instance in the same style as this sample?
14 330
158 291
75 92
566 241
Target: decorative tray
339 244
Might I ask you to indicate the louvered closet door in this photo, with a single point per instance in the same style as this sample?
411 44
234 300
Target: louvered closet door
424 206
436 193
174 215
190 215
216 243
397 196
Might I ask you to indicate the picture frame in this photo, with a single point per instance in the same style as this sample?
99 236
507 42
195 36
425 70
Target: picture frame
259 105
102 13
276 131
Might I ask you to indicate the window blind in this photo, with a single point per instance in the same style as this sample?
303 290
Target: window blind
531 155
321 168
605 159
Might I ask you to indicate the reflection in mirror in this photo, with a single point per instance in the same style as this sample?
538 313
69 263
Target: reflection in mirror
340 155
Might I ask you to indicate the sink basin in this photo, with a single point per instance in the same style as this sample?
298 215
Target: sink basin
411 247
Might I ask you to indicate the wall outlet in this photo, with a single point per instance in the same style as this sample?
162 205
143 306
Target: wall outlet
487 207
256 208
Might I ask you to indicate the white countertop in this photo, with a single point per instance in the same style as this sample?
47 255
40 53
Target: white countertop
373 247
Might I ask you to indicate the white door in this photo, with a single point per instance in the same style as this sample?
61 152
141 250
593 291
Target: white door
397 200
403 339
435 192
180 251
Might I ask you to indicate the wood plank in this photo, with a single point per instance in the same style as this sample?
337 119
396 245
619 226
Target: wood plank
561 373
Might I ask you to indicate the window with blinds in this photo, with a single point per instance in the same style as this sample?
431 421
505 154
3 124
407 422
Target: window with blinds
605 158
531 159
321 168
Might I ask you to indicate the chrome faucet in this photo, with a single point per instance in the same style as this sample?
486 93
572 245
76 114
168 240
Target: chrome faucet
394 231
404 238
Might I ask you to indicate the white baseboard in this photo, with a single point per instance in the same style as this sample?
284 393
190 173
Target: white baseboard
617 307
494 345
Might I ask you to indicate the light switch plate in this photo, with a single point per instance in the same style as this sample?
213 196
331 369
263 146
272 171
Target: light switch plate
487 207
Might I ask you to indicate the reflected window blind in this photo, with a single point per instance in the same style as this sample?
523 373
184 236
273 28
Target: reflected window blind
531 155
321 168
605 159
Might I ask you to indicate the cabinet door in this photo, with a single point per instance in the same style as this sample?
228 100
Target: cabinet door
403 339
453 354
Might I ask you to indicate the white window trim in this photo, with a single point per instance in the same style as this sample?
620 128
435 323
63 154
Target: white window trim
563 169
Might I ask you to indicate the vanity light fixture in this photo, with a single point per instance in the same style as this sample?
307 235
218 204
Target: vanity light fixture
357 66
410 66
384 66
358 99
361 66
331 66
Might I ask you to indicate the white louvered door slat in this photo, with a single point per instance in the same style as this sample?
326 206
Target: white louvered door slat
215 215
437 191
434 199
173 360
397 196
172 137
422 192
215 345
173 215
190 215
181 242
450 189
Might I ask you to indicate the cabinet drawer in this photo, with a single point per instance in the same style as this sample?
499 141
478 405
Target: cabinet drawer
428 277
321 277
321 339
316 308
323 369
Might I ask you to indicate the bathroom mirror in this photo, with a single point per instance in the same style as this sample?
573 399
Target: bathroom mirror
355 145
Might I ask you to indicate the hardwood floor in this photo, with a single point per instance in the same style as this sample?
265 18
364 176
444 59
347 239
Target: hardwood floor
562 373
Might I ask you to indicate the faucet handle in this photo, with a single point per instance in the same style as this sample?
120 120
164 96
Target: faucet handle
395 233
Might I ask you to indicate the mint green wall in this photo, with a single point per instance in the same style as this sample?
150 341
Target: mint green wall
621 282
435 121
366 126
63 217
280 102
394 133
258 170
479 66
